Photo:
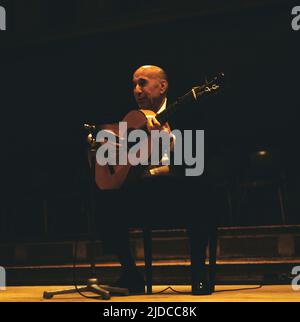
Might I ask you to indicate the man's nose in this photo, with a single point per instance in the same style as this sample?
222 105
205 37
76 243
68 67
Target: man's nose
137 89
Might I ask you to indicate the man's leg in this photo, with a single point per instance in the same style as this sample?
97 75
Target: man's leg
118 243
198 244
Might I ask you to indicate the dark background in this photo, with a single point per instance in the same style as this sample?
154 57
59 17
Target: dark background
64 63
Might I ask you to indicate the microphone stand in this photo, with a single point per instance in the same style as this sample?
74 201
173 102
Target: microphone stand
93 285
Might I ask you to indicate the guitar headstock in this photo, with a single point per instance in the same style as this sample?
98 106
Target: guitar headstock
209 87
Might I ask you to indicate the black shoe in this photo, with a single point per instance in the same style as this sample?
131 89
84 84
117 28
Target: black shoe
201 287
133 282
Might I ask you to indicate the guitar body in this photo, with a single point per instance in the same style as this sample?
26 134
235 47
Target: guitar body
137 119
113 177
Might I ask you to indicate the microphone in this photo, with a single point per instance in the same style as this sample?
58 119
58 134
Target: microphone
89 127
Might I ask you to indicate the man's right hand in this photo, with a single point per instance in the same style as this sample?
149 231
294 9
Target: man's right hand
153 124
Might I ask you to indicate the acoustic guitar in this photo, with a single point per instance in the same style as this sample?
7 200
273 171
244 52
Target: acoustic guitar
109 176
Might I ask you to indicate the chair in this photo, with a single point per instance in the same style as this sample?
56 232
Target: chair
212 249
262 169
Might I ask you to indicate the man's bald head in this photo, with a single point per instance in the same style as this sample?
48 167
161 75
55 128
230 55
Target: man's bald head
150 86
153 71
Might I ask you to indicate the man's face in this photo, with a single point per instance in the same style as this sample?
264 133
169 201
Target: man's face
148 89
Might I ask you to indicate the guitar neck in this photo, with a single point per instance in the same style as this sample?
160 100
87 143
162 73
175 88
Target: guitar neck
208 88
171 109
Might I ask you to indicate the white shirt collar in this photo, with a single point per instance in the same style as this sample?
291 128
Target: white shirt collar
163 107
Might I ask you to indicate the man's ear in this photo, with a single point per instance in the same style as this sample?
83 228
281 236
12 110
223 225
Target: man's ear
163 86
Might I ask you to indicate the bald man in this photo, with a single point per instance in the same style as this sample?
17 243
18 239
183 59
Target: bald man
150 87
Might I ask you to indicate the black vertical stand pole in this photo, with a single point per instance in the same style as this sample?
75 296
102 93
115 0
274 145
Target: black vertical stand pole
92 286
92 216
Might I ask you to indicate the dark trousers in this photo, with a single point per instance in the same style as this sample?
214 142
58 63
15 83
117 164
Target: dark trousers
156 203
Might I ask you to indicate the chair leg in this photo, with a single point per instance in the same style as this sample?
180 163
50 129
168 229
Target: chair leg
213 259
282 207
148 258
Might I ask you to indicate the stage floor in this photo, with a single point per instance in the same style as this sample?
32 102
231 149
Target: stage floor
224 293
